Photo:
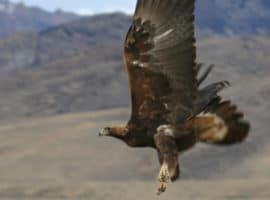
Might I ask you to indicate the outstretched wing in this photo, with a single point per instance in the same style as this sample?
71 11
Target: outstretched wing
160 59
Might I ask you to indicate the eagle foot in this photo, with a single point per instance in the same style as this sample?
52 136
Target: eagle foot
164 179
162 188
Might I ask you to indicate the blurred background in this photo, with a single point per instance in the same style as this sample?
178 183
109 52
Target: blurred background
62 79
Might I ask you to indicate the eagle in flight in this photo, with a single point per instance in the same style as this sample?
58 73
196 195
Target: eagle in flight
171 111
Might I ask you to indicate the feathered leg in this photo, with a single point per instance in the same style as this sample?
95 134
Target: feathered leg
168 156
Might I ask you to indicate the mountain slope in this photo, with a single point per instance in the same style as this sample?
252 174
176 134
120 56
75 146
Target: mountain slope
213 17
30 49
16 17
95 78
34 49
232 17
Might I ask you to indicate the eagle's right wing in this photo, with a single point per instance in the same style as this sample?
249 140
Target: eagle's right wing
160 59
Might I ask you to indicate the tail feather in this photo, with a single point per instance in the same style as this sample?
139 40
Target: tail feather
205 74
209 96
238 132
222 124
238 128
216 121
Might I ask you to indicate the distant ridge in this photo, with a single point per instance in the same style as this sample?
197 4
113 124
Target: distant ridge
233 17
29 49
78 65
16 17
228 17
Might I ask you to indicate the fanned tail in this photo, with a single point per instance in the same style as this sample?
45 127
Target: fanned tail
221 124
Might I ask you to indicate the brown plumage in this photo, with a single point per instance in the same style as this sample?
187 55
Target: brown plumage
170 112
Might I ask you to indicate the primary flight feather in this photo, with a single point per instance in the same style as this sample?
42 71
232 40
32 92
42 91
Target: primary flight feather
170 110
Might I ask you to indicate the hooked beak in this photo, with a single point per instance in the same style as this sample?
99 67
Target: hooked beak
103 132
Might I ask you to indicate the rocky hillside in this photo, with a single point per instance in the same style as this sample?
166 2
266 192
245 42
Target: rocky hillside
16 17
78 66
95 78
213 17
29 49
232 17
43 41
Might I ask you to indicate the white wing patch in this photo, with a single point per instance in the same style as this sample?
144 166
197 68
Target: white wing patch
216 131
163 35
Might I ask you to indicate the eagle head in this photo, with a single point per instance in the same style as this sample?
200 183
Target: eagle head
105 131
114 131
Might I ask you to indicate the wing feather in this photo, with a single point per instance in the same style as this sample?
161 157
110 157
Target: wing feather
160 59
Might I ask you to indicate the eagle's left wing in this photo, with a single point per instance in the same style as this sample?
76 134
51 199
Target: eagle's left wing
160 59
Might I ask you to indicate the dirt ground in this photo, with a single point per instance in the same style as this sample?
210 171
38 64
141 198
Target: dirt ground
63 158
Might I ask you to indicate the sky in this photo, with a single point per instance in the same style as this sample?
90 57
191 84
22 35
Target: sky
84 6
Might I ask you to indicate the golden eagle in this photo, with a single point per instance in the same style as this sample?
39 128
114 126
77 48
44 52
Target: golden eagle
171 111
